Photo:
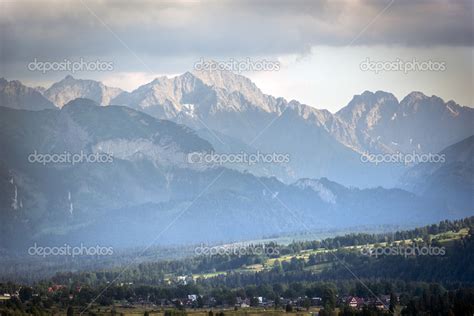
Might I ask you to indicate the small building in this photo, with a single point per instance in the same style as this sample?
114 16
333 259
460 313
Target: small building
5 297
355 302
316 301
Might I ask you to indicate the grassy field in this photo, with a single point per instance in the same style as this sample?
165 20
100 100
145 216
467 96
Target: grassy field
444 238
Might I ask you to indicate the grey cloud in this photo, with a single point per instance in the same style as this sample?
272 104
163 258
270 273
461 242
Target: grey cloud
57 29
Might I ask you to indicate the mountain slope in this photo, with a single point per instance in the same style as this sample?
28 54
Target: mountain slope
240 206
377 122
121 157
451 181
232 105
321 144
145 183
69 89
13 94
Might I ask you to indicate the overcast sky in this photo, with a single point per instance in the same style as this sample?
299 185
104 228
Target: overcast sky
321 45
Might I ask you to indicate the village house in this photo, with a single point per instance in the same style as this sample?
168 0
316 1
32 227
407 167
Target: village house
355 302
5 297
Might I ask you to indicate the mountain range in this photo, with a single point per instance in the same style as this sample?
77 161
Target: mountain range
371 121
147 182
230 105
